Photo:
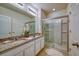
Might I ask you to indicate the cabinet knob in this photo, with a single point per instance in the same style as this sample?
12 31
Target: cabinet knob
70 31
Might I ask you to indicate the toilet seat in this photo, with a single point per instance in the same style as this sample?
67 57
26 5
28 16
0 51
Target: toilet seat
53 52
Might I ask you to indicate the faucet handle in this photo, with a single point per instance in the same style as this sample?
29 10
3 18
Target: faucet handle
76 44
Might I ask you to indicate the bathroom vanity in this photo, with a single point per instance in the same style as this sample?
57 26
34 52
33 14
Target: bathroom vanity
26 45
16 21
23 47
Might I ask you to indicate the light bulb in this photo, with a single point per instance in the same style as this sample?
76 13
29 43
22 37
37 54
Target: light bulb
53 9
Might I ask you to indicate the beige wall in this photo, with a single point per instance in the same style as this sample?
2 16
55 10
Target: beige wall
73 11
57 14
43 15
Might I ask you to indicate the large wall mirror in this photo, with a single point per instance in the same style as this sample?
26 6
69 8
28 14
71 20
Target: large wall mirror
15 27
5 26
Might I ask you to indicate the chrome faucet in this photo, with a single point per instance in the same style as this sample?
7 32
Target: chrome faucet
14 38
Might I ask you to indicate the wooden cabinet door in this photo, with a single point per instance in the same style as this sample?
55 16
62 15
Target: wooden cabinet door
42 42
26 52
29 51
37 46
5 26
21 53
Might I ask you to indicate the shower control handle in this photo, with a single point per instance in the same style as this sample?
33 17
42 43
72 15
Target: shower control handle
76 44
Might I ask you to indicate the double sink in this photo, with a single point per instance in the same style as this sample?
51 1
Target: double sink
12 43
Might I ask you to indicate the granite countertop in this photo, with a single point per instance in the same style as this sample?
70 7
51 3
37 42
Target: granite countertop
10 45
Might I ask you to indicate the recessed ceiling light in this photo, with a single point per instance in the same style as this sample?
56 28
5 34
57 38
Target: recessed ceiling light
53 9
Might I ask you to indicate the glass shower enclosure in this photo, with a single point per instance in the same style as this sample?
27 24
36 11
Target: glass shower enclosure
54 34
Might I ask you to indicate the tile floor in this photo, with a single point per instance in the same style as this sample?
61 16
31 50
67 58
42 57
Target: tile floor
43 53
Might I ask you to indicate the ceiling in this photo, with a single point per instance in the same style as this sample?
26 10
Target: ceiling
47 7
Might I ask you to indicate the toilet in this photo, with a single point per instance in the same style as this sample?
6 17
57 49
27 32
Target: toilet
53 52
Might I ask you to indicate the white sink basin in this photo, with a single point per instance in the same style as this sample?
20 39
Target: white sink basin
31 37
10 45
8 41
5 46
18 42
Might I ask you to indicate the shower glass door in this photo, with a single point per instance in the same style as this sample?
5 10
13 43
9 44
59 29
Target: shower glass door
57 33
48 33
54 34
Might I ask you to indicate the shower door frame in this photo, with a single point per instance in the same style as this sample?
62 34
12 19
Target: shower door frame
66 16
